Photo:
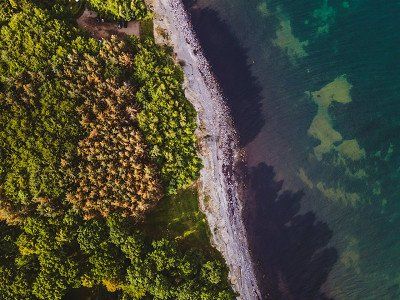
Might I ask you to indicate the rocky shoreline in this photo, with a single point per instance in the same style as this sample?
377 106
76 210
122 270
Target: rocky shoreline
219 189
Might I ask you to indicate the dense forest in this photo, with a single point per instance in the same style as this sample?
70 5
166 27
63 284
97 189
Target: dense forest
97 143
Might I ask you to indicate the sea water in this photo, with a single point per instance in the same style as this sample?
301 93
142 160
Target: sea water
314 91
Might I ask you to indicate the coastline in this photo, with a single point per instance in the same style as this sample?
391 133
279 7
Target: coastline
218 188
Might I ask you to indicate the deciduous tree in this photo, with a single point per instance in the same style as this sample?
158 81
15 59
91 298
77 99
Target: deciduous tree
115 173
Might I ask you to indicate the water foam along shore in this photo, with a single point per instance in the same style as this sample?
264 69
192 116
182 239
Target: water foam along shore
219 190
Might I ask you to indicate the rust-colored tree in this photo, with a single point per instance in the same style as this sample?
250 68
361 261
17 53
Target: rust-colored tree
113 173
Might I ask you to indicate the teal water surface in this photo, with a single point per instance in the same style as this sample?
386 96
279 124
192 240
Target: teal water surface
330 78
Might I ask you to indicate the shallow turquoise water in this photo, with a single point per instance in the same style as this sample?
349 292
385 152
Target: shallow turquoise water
329 75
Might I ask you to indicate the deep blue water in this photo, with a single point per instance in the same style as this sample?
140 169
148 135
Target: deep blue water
314 90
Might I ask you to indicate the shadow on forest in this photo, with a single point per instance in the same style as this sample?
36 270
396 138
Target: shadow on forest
228 61
289 249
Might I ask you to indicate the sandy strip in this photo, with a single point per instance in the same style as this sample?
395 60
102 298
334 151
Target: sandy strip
219 191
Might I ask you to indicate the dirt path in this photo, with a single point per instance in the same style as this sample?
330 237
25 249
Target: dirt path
105 30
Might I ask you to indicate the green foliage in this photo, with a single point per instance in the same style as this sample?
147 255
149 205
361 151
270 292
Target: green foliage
212 271
57 274
54 255
38 262
167 119
115 173
163 270
66 9
7 10
48 242
39 127
32 41
168 273
103 126
121 9
15 281
106 262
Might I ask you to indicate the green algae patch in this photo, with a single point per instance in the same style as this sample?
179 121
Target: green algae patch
335 91
339 194
285 39
331 141
351 149
359 174
306 180
321 127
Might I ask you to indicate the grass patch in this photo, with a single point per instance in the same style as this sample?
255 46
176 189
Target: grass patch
146 29
180 218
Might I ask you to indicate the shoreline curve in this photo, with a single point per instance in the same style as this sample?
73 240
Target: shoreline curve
219 189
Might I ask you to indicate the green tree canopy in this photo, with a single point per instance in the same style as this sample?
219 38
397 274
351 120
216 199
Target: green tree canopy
115 172
121 9
167 119
39 126
92 135
32 41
